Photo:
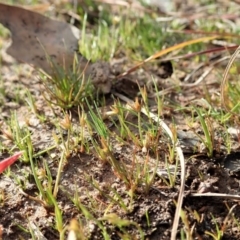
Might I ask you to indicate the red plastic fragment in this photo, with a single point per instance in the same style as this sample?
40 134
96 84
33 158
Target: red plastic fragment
9 161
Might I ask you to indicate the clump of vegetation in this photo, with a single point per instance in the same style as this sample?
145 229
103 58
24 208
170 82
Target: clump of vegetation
67 89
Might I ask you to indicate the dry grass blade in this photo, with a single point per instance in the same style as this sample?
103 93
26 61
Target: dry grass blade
219 34
218 195
181 158
230 214
165 51
194 54
36 231
225 75
180 196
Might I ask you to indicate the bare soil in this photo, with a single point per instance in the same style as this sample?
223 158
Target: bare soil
153 211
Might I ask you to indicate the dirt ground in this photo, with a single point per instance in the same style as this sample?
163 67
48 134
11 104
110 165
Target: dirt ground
152 211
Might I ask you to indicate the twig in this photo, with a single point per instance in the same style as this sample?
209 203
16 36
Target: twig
219 195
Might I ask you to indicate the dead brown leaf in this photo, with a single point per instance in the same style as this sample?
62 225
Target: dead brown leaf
34 36
36 39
